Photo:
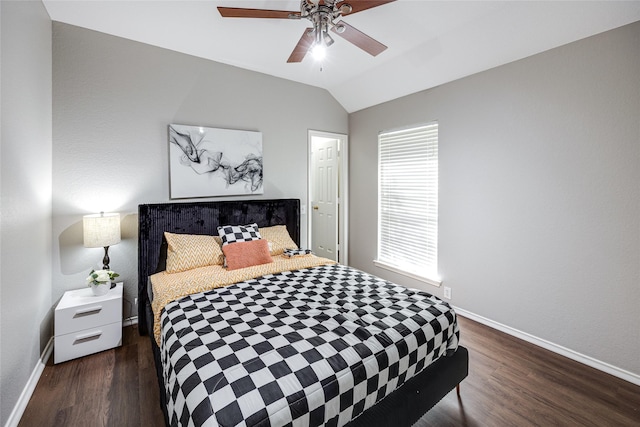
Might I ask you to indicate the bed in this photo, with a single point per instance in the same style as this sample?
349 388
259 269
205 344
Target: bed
273 363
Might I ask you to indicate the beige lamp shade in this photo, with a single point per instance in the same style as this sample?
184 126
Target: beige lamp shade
101 230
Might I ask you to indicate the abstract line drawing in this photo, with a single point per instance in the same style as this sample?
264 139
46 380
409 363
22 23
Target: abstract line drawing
213 162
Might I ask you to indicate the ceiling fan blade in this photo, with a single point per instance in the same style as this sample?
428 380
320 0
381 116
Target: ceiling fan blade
360 5
360 39
303 46
238 12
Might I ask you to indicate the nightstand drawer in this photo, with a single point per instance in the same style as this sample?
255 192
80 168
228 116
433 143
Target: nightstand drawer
83 311
87 341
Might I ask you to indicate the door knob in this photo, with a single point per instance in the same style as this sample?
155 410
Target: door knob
315 208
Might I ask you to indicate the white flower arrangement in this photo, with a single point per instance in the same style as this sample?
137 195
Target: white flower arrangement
100 277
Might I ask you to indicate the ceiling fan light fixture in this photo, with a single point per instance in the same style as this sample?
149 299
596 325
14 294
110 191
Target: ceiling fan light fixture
323 15
319 51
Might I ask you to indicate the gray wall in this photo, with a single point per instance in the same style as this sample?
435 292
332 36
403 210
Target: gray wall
25 189
113 101
539 193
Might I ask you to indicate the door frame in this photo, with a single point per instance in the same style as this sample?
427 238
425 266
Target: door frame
343 191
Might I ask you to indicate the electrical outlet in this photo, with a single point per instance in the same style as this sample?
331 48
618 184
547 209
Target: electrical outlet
135 301
447 292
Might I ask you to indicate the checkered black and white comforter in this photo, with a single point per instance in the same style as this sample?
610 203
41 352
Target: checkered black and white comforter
311 347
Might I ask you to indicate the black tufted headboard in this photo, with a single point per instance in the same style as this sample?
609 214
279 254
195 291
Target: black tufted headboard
201 218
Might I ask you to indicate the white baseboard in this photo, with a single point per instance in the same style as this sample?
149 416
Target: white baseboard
571 354
129 321
25 396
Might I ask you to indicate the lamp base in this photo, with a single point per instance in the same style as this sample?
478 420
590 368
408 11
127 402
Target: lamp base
105 264
105 260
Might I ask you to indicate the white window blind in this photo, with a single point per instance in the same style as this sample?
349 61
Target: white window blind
408 202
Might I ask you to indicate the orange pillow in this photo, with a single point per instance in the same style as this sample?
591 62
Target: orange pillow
247 254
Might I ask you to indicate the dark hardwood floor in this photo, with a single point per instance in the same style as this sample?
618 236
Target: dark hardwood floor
113 388
515 383
510 383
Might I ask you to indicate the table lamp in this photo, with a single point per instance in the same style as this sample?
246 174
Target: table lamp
101 231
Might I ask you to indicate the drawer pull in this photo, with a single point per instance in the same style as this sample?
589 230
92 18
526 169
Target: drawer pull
87 337
88 311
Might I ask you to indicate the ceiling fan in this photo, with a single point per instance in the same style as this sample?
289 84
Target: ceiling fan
324 16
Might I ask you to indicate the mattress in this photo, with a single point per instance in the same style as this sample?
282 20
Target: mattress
307 347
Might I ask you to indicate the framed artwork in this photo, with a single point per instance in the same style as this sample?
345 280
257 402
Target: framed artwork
212 162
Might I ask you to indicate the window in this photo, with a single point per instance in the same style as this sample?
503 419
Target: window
408 202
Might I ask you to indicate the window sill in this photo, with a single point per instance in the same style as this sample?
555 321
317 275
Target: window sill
428 280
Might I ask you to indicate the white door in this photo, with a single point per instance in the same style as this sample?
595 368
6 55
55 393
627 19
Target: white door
325 175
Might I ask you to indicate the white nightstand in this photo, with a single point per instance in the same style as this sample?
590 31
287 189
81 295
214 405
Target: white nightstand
86 324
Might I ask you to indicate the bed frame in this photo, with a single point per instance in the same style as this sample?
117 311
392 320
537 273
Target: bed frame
403 407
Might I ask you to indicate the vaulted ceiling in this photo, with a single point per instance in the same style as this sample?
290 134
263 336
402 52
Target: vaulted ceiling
429 42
